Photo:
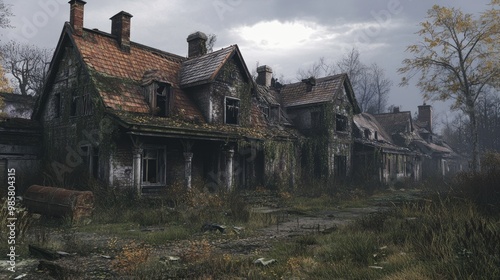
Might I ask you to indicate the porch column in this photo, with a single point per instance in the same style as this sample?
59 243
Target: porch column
188 158
229 168
137 170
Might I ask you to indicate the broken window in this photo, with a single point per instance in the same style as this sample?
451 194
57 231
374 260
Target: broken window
162 93
153 166
232 110
340 123
74 106
81 105
86 104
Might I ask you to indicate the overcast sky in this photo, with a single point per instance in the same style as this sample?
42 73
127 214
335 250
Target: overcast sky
284 34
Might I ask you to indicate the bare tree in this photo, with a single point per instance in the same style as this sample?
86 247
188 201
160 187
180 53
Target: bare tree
27 63
381 87
318 69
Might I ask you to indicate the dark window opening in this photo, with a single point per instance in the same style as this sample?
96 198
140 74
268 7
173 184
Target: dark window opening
340 166
341 123
74 106
57 105
95 162
87 105
153 168
232 111
367 133
265 111
162 99
376 135
275 113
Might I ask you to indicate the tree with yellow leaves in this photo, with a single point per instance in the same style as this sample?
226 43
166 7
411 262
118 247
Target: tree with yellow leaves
457 59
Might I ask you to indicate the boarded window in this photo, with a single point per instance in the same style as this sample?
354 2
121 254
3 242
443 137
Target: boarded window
275 113
232 112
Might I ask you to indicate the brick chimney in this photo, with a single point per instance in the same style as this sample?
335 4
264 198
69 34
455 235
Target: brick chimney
264 75
120 27
76 16
197 44
425 116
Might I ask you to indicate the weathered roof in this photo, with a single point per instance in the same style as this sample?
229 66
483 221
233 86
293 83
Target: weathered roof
367 121
325 89
204 68
119 75
395 123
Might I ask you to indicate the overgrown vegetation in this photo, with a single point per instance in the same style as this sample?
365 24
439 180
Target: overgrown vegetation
450 233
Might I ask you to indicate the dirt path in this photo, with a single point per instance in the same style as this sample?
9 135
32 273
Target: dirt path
288 224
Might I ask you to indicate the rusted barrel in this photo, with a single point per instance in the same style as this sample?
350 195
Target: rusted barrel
59 202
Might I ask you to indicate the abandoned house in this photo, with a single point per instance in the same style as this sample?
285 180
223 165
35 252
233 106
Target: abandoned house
133 116
322 110
377 158
437 158
136 117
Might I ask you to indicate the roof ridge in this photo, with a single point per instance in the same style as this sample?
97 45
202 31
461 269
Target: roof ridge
142 46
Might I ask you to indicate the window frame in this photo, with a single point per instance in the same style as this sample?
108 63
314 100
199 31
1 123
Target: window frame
238 116
161 163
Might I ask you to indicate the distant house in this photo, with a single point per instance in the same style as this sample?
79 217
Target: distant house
440 159
377 158
130 115
16 105
323 110
436 157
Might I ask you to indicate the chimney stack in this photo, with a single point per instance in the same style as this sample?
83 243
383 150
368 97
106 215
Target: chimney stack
425 116
120 27
76 16
197 44
264 75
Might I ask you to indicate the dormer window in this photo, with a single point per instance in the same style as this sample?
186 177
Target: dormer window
367 134
158 95
232 112
275 113
162 99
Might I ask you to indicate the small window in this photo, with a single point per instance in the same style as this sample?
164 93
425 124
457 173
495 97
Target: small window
232 111
341 123
376 135
265 111
57 105
367 133
275 113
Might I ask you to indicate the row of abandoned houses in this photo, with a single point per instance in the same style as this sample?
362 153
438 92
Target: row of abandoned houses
131 116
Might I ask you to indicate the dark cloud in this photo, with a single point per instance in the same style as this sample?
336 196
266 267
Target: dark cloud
381 29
